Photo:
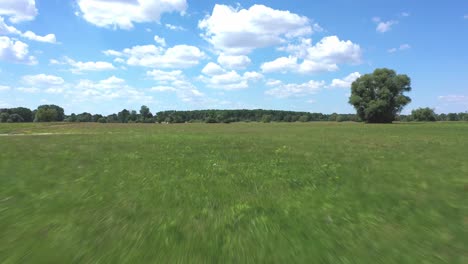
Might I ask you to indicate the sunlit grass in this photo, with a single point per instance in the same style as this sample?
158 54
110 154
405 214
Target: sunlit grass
234 193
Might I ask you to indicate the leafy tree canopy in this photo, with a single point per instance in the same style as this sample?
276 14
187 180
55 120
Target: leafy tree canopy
378 97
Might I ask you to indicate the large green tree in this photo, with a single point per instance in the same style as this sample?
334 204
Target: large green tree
123 116
423 114
378 97
49 113
25 113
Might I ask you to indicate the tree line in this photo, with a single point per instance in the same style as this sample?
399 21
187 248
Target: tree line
54 113
378 97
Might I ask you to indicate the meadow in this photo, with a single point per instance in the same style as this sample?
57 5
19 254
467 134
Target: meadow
234 193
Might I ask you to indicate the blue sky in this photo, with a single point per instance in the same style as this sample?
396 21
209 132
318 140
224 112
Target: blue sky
101 56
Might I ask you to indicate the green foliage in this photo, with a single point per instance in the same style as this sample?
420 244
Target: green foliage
25 113
304 118
145 112
102 120
84 117
257 115
49 113
123 116
379 97
4 117
423 114
15 118
452 117
266 118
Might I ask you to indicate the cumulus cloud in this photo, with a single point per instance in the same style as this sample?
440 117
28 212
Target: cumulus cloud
176 82
454 98
18 10
49 38
42 82
28 89
219 78
42 79
240 31
161 41
10 30
15 51
107 89
323 56
238 62
295 90
282 64
401 48
212 69
4 88
346 81
79 67
124 13
174 27
6 29
165 76
384 26
179 56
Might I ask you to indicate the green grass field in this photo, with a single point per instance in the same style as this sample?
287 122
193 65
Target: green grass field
234 193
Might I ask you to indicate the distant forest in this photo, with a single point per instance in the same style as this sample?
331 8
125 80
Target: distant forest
54 113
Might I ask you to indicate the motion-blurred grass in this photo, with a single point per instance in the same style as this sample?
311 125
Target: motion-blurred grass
234 193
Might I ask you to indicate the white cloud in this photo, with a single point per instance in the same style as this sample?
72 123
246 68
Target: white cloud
56 62
42 80
346 81
28 89
49 38
123 13
323 56
240 31
274 83
454 98
6 29
401 48
18 10
405 14
253 76
238 62
282 64
296 90
335 51
179 56
105 84
165 76
176 82
107 89
10 30
212 69
113 53
174 27
384 26
4 88
15 51
162 88
79 67
160 41
219 78
119 60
